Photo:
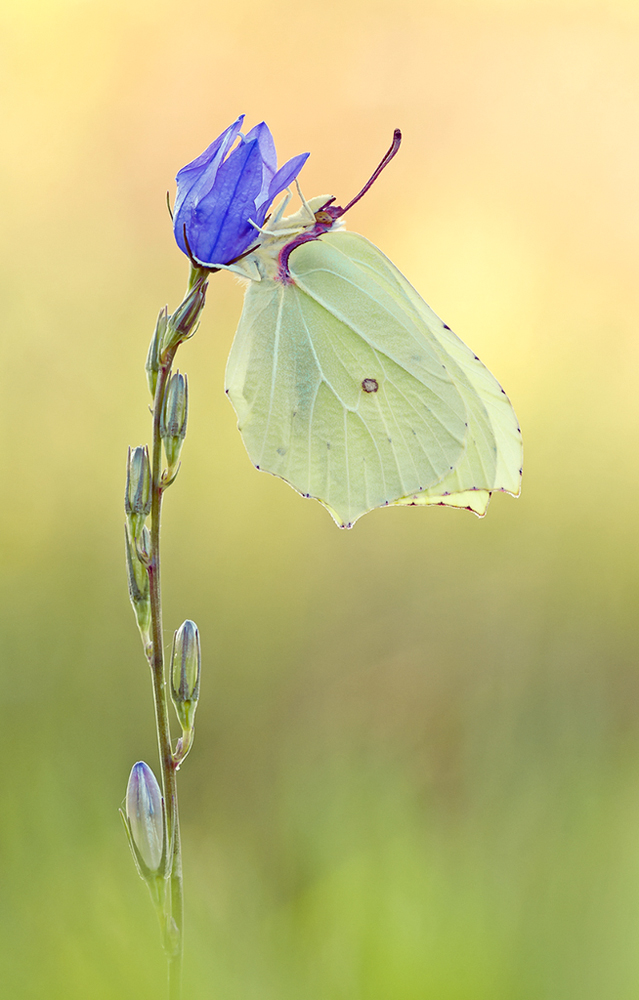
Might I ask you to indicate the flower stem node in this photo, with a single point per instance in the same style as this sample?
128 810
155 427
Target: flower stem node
137 496
145 823
173 420
185 675
152 365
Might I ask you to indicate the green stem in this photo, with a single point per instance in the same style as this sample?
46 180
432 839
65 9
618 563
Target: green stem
156 660
174 916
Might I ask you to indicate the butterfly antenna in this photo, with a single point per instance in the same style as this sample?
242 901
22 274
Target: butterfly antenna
168 205
394 147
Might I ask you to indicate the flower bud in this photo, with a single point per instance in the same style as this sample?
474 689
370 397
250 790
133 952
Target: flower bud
152 365
184 321
173 420
137 499
139 590
185 672
137 496
145 819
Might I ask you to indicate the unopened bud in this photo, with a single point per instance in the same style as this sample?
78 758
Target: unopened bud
173 420
137 496
185 672
184 321
139 590
145 819
152 365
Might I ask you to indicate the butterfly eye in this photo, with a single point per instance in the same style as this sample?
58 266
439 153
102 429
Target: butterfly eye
324 217
370 385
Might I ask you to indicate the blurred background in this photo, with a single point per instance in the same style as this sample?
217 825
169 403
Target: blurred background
416 772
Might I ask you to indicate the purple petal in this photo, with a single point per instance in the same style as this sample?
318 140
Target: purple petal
286 174
263 135
197 178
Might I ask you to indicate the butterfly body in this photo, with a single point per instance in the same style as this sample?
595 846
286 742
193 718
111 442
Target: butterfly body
350 388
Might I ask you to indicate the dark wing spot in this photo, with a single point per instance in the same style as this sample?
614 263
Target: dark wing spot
281 451
328 445
446 326
370 385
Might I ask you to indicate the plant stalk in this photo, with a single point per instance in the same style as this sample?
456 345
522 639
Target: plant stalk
175 907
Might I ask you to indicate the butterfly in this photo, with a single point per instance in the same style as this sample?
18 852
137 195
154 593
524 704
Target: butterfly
350 388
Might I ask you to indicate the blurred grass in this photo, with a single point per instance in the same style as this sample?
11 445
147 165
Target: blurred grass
417 766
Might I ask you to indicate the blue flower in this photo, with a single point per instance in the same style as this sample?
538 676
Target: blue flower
219 191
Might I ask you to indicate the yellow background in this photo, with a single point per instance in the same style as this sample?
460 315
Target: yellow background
416 771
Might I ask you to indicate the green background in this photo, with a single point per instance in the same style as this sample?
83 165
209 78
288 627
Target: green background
416 771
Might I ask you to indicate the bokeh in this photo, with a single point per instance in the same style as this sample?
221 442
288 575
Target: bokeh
416 770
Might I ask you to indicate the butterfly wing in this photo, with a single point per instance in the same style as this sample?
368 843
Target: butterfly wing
343 388
494 453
